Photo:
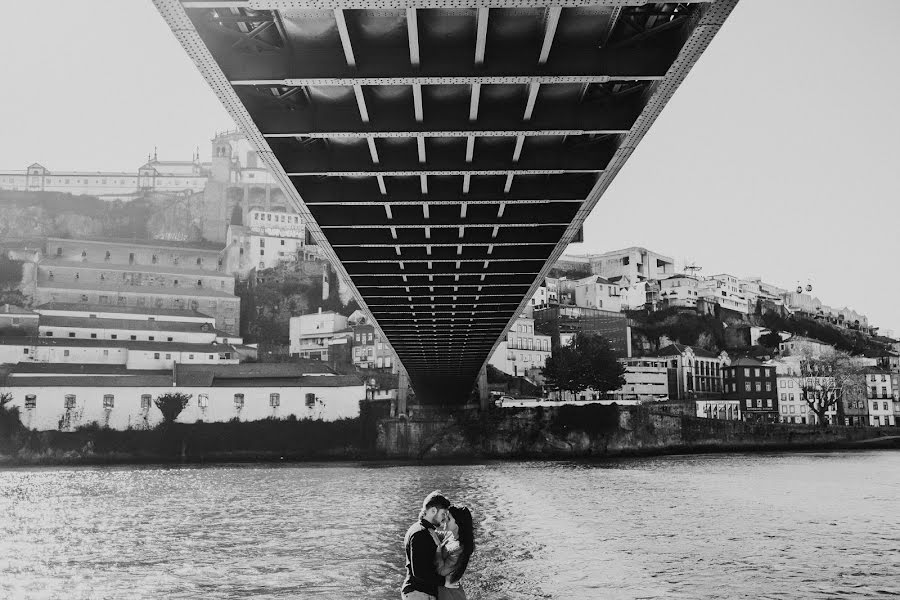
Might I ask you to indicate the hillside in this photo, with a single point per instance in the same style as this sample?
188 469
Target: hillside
53 214
276 295
650 330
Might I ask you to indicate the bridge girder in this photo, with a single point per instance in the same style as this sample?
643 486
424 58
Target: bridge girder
444 152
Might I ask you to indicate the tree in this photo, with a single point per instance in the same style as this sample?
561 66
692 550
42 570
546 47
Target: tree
171 405
770 340
825 378
10 272
10 422
586 363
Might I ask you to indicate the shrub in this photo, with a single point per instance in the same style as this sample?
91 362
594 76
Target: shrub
171 405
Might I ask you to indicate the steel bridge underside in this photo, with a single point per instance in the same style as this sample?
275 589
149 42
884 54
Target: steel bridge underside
444 152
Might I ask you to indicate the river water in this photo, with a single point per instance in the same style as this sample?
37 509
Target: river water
817 525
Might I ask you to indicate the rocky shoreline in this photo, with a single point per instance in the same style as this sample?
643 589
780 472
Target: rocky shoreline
564 433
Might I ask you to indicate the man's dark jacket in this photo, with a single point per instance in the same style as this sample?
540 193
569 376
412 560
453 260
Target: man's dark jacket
421 572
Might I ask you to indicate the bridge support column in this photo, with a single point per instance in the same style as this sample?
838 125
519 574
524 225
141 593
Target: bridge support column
402 393
483 391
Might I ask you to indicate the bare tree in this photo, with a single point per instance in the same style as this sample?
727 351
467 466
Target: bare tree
824 379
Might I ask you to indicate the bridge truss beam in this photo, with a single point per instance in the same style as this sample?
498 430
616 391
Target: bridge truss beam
443 153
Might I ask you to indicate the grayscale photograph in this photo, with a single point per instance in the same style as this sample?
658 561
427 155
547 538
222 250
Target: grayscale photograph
449 300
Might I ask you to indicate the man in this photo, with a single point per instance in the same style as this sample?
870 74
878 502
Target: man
421 542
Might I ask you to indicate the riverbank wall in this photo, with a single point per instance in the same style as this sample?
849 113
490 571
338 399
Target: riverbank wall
599 431
566 432
266 440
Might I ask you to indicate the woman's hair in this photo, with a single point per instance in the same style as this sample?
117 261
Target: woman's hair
463 517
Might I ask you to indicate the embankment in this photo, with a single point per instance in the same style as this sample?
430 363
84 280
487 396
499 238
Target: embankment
597 431
567 432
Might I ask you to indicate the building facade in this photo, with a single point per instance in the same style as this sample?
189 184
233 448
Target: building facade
561 322
140 276
598 292
231 184
880 397
523 350
724 290
638 264
369 351
312 336
133 354
16 317
122 400
754 386
268 239
694 373
646 380
680 290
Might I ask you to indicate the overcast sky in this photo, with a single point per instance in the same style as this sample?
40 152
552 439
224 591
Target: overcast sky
779 156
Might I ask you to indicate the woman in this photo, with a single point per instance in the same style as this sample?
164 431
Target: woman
458 543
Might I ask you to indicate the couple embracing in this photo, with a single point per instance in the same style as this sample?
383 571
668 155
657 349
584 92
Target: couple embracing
438 548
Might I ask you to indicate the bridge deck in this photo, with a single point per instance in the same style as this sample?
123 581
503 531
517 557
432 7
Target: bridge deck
447 150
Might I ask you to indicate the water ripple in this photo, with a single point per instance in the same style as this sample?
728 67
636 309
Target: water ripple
774 526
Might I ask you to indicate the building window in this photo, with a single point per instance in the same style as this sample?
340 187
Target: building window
310 400
153 259
156 355
151 338
168 356
746 386
145 402
274 400
30 401
238 401
69 401
108 401
203 400
65 352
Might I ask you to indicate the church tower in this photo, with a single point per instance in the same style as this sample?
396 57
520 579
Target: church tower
220 170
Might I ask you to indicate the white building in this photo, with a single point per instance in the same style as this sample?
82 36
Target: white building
523 350
719 408
133 354
638 264
694 373
539 299
798 345
791 402
130 329
135 313
119 400
881 394
646 380
312 335
268 239
725 291
633 295
680 290
598 292
809 305
18 317
156 176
